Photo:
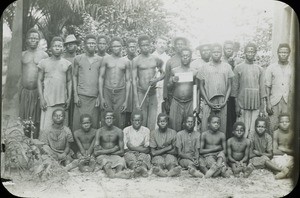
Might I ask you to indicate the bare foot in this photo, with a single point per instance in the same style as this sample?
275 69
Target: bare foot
174 172
124 175
211 171
195 173
248 171
159 172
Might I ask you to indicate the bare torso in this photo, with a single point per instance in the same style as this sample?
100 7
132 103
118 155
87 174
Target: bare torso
86 138
183 90
30 61
285 140
109 138
115 71
146 69
213 140
238 149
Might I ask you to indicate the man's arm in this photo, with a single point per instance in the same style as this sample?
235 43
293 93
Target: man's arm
101 83
91 148
78 142
159 64
276 151
43 102
229 152
140 149
228 90
69 86
75 82
134 82
128 84
246 156
203 94
121 144
156 151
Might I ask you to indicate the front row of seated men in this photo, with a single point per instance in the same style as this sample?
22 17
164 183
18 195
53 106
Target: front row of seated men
135 150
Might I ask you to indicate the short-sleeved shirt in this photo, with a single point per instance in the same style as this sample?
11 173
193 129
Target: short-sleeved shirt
88 75
57 139
136 138
261 144
55 80
162 139
216 78
188 143
248 85
197 64
278 78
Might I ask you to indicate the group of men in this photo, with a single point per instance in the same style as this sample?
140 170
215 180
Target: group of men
95 82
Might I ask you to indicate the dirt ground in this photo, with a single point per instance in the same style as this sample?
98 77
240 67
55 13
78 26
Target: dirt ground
261 183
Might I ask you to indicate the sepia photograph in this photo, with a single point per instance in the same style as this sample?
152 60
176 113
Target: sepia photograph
150 98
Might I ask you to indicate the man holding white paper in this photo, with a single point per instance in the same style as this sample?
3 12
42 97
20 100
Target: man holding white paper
182 80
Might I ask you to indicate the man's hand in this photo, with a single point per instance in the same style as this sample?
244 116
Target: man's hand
67 104
269 108
257 153
97 102
103 104
43 104
175 79
77 101
153 82
124 107
238 110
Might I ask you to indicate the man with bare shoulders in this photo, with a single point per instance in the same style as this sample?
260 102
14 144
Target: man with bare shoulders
109 148
238 148
86 83
173 62
144 78
85 140
29 102
212 149
182 80
282 147
114 82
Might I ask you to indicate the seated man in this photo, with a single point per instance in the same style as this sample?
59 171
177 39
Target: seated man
282 145
109 148
136 144
57 138
261 147
163 144
238 148
188 144
85 139
212 149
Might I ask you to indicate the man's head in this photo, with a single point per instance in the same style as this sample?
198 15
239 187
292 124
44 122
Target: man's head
116 44
214 122
131 46
57 46
162 121
58 116
102 43
86 122
179 43
216 52
283 52
32 38
71 43
260 125
109 118
137 119
144 44
186 56
238 129
228 49
161 44
205 51
90 43
250 51
189 123
284 121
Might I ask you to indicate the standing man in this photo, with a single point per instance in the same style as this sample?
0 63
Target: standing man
231 59
205 54
182 80
160 52
86 83
144 78
54 84
71 44
249 91
215 86
175 61
131 54
102 44
279 85
114 82
29 95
